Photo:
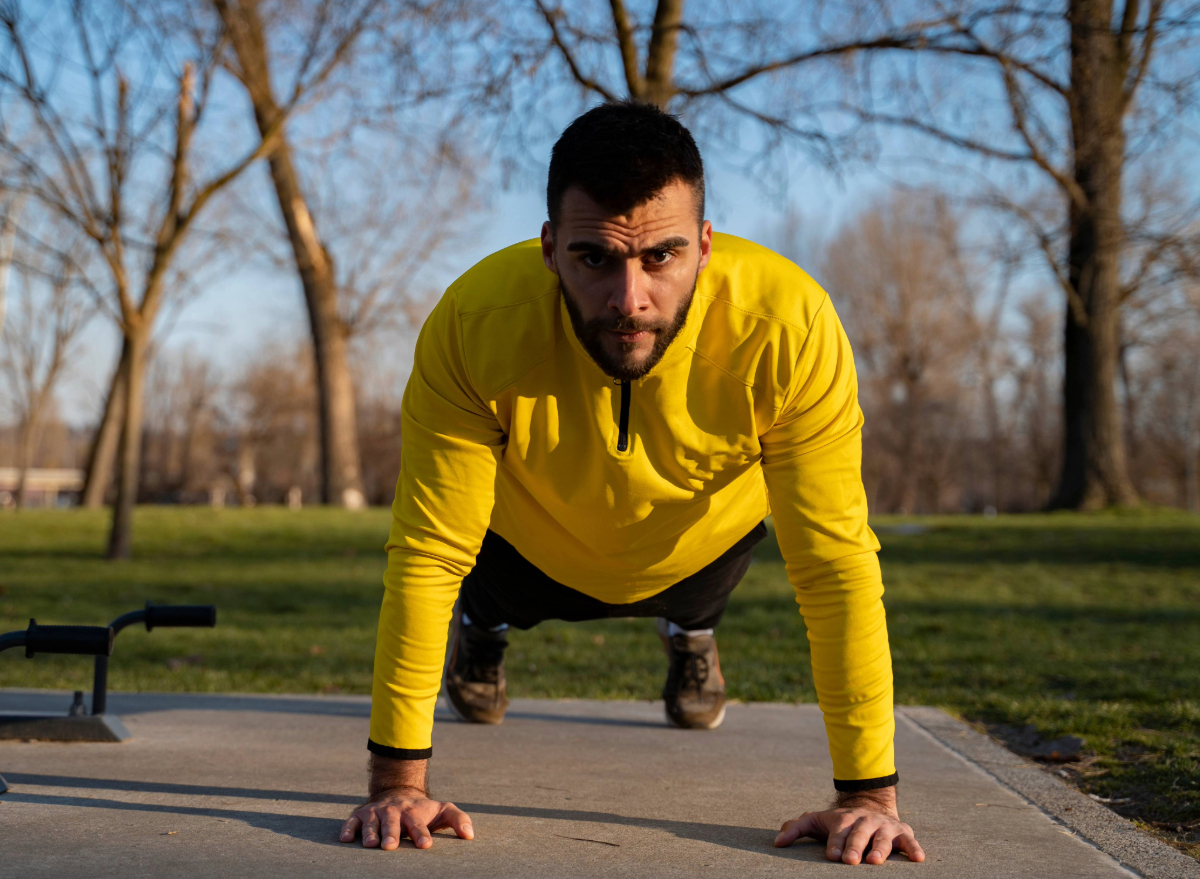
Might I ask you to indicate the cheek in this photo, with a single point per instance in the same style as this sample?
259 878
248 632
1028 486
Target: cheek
589 296
668 292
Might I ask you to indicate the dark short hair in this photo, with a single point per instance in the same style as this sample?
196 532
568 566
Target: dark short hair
621 154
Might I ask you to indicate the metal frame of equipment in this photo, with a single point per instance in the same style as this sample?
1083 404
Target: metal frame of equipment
78 640
77 725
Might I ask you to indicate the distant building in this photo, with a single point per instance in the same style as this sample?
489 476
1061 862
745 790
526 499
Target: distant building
44 487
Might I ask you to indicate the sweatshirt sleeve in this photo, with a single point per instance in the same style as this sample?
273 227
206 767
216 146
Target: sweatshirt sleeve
452 442
812 459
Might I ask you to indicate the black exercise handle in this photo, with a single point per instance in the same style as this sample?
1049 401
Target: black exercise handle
78 640
180 615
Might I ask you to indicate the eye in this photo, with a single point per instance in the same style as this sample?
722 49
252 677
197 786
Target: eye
593 260
661 257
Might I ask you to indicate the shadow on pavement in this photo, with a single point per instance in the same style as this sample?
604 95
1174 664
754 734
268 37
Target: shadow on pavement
324 831
198 790
126 704
750 839
304 827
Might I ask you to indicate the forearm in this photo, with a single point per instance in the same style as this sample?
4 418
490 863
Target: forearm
847 634
402 776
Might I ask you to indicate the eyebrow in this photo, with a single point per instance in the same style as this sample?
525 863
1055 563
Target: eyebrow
673 243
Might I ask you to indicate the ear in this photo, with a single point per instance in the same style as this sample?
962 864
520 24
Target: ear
548 248
706 233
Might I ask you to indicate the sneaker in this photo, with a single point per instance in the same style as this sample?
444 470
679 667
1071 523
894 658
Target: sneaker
475 682
695 690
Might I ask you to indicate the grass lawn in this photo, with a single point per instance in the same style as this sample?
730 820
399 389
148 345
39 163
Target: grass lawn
1083 625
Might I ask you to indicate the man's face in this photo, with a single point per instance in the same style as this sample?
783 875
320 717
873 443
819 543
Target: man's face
628 280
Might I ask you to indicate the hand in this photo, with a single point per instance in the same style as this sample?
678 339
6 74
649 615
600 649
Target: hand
391 814
860 824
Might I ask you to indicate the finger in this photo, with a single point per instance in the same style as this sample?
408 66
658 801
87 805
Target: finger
455 818
880 850
417 831
837 837
390 831
858 840
908 844
370 831
350 828
807 824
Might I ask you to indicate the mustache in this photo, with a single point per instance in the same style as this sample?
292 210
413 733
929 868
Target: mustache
621 323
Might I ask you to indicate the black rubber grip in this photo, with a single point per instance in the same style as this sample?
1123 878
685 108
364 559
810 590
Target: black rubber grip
79 640
180 615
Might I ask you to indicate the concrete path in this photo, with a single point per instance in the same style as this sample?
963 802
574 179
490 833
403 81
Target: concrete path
252 786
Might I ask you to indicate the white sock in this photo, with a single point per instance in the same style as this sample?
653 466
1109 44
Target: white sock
466 621
673 630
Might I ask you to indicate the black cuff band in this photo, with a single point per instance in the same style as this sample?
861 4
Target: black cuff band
400 753
853 787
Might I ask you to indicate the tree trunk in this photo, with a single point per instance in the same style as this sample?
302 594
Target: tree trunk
103 452
28 434
1129 414
660 54
133 364
341 471
1191 445
1094 471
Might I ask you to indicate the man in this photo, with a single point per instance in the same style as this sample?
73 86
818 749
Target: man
596 426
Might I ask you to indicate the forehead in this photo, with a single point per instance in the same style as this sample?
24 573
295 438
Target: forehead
671 212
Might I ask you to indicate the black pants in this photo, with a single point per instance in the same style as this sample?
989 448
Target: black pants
504 587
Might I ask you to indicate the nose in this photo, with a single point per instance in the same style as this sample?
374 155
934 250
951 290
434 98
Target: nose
628 296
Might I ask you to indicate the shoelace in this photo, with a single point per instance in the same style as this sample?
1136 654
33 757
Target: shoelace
482 660
692 668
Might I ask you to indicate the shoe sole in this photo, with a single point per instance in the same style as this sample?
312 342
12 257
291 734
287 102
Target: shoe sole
712 724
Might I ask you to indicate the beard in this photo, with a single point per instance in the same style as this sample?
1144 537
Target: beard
620 366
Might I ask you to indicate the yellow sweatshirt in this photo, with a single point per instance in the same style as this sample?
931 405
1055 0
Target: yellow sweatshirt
508 424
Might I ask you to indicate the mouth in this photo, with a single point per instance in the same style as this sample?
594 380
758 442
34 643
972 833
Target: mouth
631 338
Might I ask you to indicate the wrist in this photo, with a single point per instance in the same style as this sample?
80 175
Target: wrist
881 799
390 776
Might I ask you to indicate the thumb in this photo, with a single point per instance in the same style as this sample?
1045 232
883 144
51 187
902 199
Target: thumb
808 824
458 820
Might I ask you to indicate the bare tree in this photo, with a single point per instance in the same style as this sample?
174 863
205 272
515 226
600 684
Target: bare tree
10 214
269 426
180 438
119 166
1036 420
895 273
38 343
1075 95
752 74
102 451
339 304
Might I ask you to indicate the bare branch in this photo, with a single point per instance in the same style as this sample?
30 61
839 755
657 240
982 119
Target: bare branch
1138 68
551 18
1018 105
